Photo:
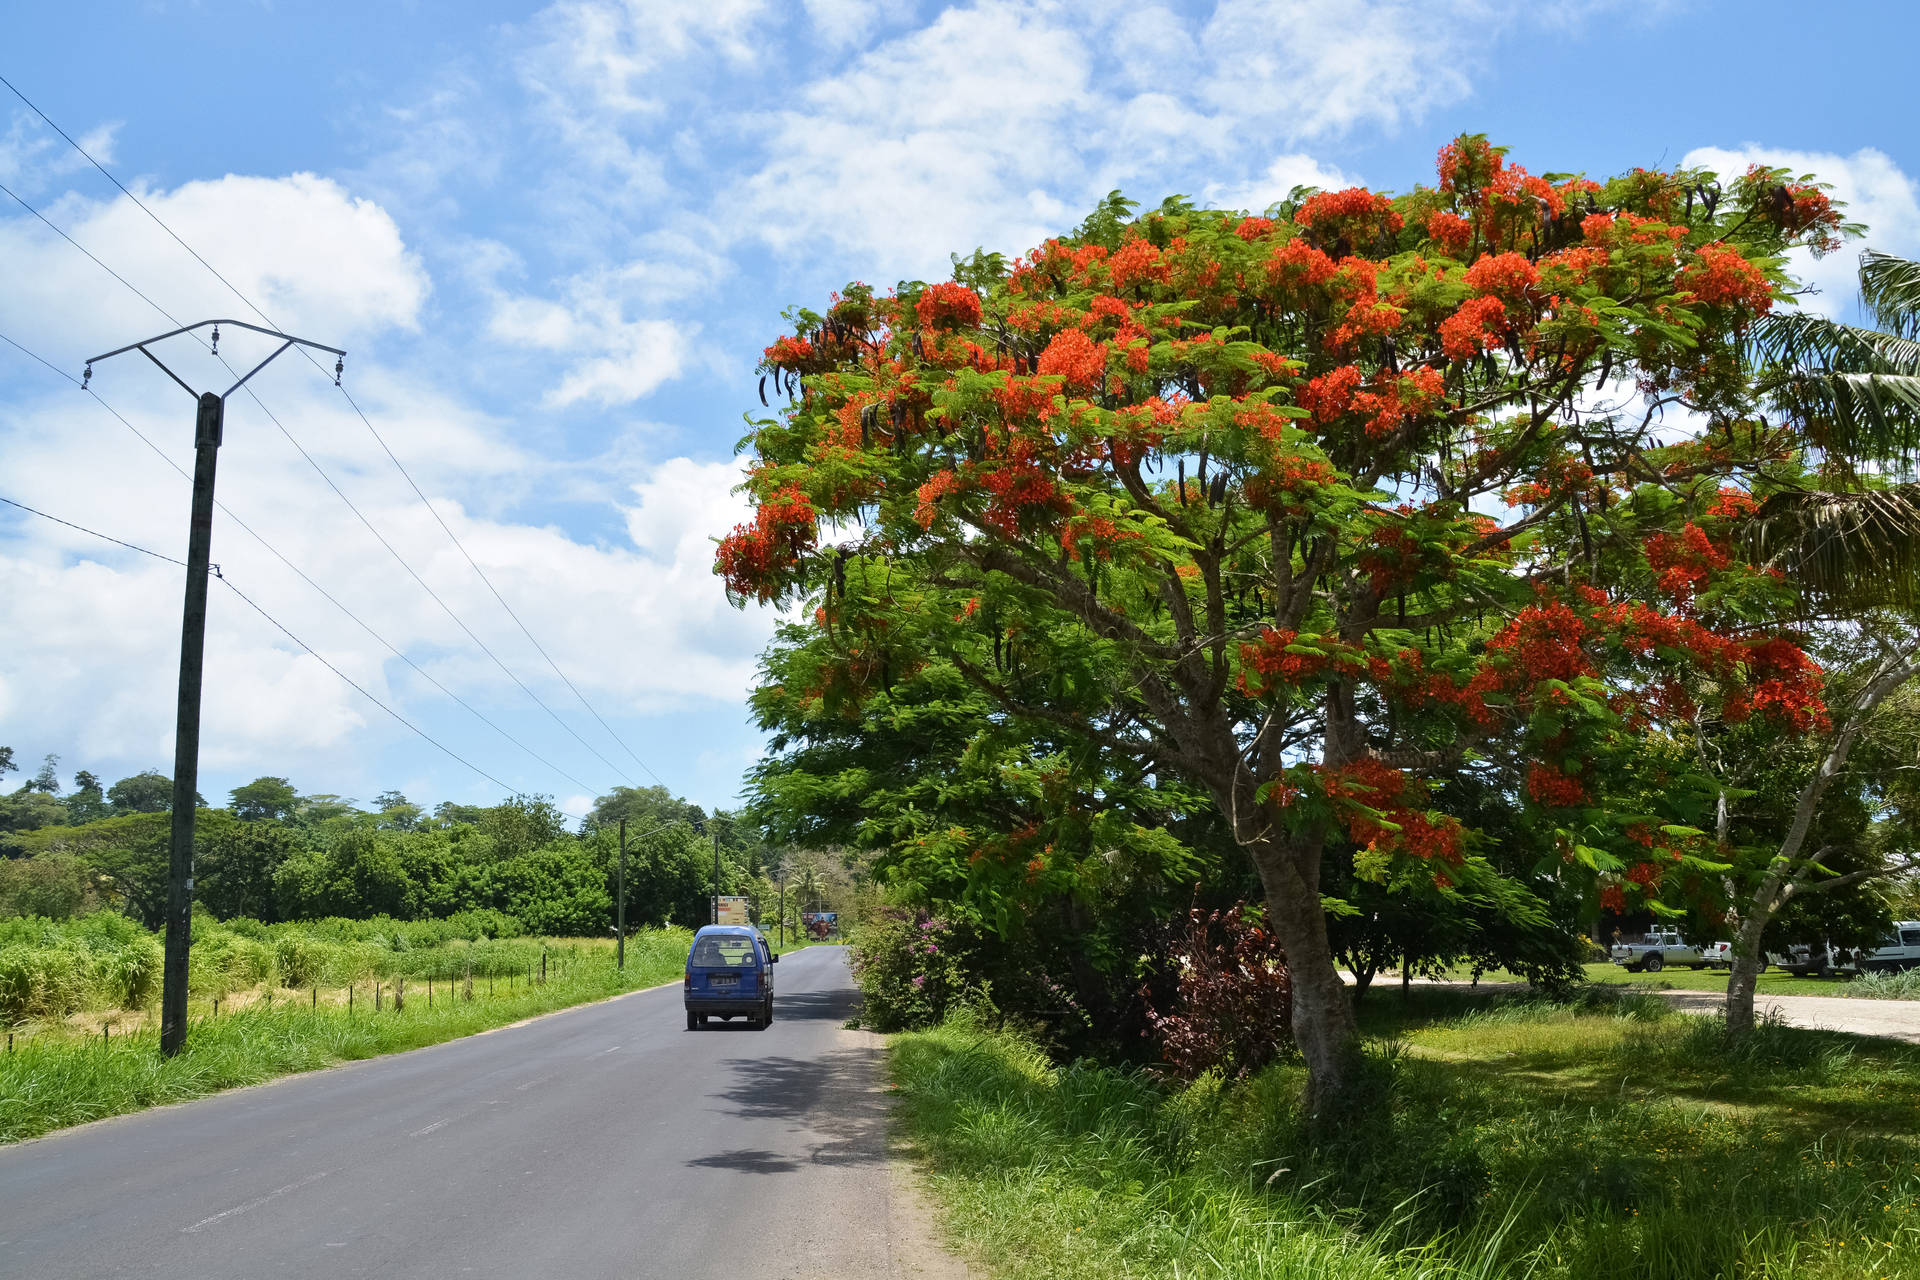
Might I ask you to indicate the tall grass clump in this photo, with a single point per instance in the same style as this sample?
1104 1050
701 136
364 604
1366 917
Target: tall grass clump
50 968
1887 985
1526 1138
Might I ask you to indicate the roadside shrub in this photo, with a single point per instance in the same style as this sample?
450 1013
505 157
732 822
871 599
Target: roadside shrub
909 968
1234 1006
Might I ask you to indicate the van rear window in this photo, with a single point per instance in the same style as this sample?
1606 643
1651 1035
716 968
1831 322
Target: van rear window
718 953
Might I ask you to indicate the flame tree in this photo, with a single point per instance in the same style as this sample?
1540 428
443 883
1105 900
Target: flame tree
1306 509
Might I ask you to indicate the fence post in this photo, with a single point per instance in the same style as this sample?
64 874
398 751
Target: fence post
316 995
399 994
349 997
376 997
543 966
106 1035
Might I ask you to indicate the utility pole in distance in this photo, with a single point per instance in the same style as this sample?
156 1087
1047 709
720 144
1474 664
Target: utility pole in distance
621 897
209 425
716 875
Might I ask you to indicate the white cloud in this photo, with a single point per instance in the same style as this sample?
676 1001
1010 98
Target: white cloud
617 359
323 264
31 153
1282 176
1876 192
940 138
840 23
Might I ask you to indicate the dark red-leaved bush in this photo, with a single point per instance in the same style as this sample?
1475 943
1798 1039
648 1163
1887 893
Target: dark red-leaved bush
1235 1001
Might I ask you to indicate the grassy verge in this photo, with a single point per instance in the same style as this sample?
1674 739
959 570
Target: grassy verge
52 1081
1772 982
1503 1138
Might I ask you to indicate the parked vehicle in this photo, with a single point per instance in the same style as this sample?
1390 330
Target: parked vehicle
1658 950
1900 950
729 974
1804 960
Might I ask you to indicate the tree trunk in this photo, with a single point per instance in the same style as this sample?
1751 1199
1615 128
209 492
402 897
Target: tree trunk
1793 862
1743 977
1323 1025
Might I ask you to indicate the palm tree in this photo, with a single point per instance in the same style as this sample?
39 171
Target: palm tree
1856 390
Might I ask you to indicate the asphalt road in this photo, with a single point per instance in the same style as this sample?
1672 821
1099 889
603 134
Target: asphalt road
601 1141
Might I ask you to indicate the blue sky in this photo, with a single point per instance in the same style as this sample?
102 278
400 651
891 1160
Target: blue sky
554 240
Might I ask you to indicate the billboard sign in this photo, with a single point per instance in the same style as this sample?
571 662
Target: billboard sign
731 911
820 924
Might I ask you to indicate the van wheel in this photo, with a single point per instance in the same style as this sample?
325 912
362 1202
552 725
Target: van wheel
693 1020
1655 963
769 1018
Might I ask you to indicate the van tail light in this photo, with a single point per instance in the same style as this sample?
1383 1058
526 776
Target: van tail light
686 980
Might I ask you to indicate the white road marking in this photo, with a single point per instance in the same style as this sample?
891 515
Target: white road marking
522 1088
254 1203
421 1133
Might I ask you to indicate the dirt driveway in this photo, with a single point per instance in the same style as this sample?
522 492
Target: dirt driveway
1894 1019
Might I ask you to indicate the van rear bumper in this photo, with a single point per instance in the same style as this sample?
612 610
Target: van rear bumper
725 1005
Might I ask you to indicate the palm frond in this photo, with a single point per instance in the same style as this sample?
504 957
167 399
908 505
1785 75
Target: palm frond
1858 390
1890 289
1810 343
1856 549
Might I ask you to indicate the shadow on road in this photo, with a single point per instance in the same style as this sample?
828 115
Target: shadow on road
748 1161
816 1006
833 1098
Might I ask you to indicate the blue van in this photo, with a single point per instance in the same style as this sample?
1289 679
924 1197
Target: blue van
730 971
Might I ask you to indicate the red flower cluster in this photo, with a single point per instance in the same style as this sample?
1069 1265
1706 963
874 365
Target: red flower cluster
1137 262
1684 564
1548 786
1253 228
1453 233
1076 358
1720 277
1396 401
1331 394
1543 643
1296 267
1021 487
941 485
1467 164
1270 660
1477 324
1506 276
1353 213
751 558
1732 504
790 353
1366 784
1097 532
950 305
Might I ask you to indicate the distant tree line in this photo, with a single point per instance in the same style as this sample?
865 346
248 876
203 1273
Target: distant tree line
276 854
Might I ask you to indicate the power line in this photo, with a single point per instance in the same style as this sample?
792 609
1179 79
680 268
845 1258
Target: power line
338 492
304 646
299 572
94 532
235 290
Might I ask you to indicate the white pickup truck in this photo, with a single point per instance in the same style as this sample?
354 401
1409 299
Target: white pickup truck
1656 951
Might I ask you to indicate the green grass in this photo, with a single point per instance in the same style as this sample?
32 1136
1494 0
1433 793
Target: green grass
1505 1137
1772 983
54 1080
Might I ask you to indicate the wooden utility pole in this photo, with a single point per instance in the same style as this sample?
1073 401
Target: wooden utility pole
208 427
207 432
620 899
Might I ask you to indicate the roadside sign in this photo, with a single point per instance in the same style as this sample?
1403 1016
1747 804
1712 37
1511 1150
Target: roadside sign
732 911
